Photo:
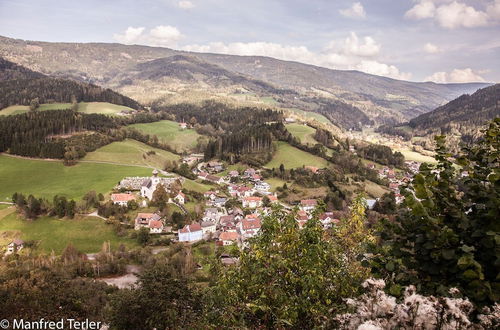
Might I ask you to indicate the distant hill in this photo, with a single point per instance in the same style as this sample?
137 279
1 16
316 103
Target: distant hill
20 85
464 114
153 73
10 70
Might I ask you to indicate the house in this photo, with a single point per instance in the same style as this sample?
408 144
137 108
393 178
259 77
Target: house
302 216
371 203
308 204
211 214
326 219
228 238
214 178
289 120
249 172
180 198
227 260
15 246
243 191
250 226
146 220
262 186
227 220
215 167
183 125
202 175
155 227
220 201
207 227
210 195
191 233
252 202
234 174
313 169
149 185
255 178
237 213
273 199
122 199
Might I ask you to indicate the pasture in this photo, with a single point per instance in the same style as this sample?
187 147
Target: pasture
131 152
50 234
292 157
169 132
302 132
48 178
85 107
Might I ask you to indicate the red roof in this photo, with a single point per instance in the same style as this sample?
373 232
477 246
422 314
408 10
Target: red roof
191 228
145 215
247 224
253 199
155 224
312 169
272 198
122 197
228 236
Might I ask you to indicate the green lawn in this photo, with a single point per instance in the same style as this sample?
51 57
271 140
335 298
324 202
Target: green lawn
418 157
131 152
292 157
48 178
302 132
196 186
86 107
170 133
87 234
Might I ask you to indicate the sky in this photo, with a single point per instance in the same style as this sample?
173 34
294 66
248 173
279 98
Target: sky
417 40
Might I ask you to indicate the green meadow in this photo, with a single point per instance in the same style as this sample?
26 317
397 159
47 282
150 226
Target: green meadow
170 133
302 132
131 152
85 107
48 178
292 157
86 233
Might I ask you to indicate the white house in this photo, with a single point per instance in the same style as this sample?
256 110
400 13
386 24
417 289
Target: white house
308 204
122 199
252 202
149 185
148 220
180 198
250 226
191 233
262 186
207 227
15 246
156 226
228 238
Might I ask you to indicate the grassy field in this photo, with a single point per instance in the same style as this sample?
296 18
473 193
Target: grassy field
418 157
292 157
48 178
170 133
196 186
131 152
302 132
310 115
86 233
86 107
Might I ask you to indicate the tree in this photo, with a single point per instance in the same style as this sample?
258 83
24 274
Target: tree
287 278
34 104
386 204
160 197
143 236
447 234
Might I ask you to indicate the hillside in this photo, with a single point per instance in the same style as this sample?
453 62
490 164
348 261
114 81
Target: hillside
19 86
463 113
153 73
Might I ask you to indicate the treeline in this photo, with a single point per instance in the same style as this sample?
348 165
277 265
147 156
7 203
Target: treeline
342 114
381 154
31 207
34 134
51 90
10 70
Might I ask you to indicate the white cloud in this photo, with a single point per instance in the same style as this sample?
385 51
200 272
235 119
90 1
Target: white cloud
452 14
185 4
431 48
130 36
367 48
164 35
456 76
355 11
423 9
352 53
382 69
161 35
